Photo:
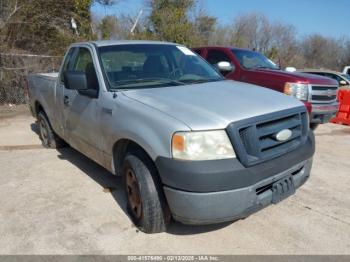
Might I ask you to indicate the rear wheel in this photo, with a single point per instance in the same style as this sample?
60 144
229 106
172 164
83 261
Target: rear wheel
145 198
48 137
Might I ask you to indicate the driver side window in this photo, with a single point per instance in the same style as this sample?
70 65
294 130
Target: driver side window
67 63
84 63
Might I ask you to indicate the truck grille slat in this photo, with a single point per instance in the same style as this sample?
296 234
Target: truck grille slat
268 143
275 127
322 88
323 98
322 94
256 142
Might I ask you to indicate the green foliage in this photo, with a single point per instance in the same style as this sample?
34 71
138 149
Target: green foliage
169 20
107 26
43 26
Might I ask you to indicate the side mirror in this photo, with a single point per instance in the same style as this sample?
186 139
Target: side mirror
290 69
225 67
75 80
342 83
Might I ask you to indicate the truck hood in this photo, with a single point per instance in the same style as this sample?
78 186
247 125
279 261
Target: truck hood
298 77
213 105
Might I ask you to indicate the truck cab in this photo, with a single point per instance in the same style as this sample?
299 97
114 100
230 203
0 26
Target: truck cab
319 94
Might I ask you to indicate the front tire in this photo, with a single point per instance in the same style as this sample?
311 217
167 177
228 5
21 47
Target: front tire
48 137
145 198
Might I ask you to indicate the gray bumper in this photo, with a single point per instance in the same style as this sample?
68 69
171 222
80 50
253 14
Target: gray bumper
322 113
214 207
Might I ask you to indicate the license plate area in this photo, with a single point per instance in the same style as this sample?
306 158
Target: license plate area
282 189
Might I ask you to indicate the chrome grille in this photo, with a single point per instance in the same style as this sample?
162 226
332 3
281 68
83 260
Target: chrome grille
322 94
255 141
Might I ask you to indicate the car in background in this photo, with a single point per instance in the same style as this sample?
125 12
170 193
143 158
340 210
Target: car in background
341 78
319 94
346 70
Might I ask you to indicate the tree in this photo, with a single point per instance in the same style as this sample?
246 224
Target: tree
320 51
203 27
44 25
107 27
7 10
256 32
168 20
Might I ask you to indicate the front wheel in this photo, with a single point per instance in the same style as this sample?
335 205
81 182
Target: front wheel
145 198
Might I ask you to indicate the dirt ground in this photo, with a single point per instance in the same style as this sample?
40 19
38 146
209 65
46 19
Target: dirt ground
60 202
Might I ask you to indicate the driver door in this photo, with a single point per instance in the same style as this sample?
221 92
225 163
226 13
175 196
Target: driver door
80 109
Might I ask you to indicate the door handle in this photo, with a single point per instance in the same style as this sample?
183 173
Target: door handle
66 100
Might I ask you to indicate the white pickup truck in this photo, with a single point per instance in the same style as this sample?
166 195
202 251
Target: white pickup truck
346 70
189 144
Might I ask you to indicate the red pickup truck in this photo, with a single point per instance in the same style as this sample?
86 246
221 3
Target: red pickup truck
319 94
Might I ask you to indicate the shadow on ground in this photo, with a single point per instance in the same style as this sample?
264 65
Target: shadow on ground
35 128
113 184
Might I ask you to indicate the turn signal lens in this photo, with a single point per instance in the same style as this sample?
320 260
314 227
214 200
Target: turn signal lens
178 142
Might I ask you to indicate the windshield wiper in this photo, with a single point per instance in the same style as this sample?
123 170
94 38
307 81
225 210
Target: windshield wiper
198 81
156 81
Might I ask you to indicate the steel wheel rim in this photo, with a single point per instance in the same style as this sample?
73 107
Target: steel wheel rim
133 194
44 131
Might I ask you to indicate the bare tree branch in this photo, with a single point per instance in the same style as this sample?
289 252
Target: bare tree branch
12 13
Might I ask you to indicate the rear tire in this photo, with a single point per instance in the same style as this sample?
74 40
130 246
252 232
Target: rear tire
48 137
313 126
145 198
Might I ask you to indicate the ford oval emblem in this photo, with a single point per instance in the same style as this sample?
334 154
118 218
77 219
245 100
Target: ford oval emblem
283 135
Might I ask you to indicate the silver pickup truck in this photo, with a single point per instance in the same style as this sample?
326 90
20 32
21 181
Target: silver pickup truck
189 144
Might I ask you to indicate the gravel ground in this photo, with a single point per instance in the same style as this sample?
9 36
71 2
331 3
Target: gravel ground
60 202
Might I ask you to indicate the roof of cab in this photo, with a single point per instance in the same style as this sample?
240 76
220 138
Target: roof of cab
124 42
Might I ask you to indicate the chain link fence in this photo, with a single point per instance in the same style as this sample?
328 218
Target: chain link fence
14 69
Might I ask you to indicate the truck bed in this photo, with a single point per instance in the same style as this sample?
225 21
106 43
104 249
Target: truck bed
42 88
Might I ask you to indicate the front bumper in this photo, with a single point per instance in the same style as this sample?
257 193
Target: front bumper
215 207
205 192
322 113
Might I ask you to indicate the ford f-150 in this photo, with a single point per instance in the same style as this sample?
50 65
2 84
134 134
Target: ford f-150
189 144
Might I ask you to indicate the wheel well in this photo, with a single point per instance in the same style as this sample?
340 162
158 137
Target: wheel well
120 149
38 108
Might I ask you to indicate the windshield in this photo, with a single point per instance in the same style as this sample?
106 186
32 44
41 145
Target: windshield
153 65
253 60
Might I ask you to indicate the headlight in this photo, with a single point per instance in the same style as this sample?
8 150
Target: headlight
203 145
298 90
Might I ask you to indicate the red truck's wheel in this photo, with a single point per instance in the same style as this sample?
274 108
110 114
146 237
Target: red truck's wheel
145 198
